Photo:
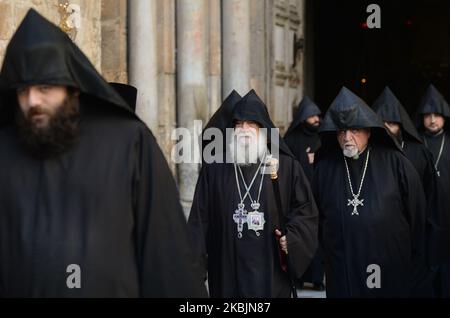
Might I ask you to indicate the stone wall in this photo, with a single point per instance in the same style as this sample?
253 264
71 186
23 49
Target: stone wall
102 35
114 40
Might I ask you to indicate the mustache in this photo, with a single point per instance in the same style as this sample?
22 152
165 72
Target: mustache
246 134
37 111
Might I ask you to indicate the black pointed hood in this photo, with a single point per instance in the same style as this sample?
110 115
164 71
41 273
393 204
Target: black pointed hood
127 92
349 111
252 108
432 102
41 53
306 108
389 108
222 116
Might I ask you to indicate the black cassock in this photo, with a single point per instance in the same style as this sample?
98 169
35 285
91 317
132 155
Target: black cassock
389 108
389 230
388 234
302 139
434 102
300 136
109 205
250 266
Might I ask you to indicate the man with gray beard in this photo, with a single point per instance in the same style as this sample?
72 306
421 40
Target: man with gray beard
371 204
234 217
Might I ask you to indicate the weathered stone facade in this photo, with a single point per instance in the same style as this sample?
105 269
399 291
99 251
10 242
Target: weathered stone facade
102 35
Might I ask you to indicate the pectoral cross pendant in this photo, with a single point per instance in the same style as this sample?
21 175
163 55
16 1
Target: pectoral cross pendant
355 203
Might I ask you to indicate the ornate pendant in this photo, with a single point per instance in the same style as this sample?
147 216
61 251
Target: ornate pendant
256 221
355 203
240 217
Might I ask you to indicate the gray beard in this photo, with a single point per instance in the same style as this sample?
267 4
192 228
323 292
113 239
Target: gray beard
247 154
351 153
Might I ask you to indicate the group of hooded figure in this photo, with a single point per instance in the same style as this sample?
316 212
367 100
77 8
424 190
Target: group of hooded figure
398 225
378 206
359 195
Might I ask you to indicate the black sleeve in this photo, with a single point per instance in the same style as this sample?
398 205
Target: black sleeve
167 266
302 224
415 213
199 218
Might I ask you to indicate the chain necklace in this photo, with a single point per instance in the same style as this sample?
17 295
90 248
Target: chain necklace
439 155
355 202
255 220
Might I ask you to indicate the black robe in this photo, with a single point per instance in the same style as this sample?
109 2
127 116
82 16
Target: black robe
301 140
300 136
298 142
109 205
387 238
250 267
434 102
390 109
440 243
389 230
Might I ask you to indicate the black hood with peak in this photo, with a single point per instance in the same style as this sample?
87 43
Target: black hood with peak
348 111
306 108
41 53
252 108
127 92
222 116
389 108
432 102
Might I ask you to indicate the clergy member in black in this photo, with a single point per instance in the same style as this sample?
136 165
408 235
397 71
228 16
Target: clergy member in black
237 230
434 118
88 206
303 140
303 137
401 127
371 205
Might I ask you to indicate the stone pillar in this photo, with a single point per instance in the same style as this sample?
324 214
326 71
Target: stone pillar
167 95
114 40
236 46
192 82
215 58
143 59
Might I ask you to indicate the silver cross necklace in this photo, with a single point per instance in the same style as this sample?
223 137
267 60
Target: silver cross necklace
355 202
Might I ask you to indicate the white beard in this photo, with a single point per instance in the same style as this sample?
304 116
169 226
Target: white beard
247 152
351 152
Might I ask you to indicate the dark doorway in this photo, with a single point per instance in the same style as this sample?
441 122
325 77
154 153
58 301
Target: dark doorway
410 51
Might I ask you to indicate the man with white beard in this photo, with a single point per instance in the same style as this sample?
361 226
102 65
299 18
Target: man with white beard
371 205
234 218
